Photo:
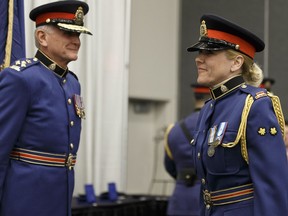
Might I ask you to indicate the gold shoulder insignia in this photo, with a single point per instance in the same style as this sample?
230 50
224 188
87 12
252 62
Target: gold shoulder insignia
15 67
21 64
18 62
273 131
262 131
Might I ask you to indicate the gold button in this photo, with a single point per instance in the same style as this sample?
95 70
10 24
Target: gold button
187 176
72 123
203 181
71 146
198 155
223 88
192 141
52 66
69 101
211 105
208 206
64 81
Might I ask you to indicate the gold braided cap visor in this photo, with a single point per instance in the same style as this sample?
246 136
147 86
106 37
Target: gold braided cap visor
74 28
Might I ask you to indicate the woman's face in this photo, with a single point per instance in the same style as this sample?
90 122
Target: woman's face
213 67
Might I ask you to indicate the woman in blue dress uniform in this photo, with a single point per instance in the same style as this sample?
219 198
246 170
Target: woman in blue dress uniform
240 153
178 162
40 118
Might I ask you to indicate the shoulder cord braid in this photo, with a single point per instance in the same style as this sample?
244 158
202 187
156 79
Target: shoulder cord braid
278 111
166 145
242 129
248 103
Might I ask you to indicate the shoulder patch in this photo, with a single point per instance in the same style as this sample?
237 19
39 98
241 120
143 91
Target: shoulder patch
260 94
255 92
22 64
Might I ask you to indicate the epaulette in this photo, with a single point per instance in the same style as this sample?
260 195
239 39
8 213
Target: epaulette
73 74
255 92
22 64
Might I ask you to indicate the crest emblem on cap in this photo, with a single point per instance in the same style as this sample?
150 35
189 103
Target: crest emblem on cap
203 29
79 16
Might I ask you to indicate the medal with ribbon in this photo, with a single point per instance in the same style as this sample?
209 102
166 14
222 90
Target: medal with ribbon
216 137
211 139
79 106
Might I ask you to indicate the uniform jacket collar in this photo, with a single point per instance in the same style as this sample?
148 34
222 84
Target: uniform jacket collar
51 64
226 87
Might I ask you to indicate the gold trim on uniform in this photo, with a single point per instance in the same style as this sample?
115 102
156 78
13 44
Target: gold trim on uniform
241 135
278 111
166 144
248 103
76 28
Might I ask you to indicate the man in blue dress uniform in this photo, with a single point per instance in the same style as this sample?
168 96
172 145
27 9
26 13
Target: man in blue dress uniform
240 152
179 162
40 118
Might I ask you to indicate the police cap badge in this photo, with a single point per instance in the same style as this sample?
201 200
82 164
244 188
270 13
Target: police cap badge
217 33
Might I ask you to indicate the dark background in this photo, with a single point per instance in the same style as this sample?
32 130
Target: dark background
250 15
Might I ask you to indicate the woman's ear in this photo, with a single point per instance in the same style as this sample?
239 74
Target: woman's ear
237 63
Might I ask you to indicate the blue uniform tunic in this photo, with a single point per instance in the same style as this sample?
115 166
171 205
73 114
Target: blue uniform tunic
38 115
242 166
184 200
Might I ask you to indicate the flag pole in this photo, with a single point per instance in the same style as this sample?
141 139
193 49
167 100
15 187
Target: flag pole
8 47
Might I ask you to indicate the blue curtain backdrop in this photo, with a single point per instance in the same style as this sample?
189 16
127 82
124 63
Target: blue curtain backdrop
12 37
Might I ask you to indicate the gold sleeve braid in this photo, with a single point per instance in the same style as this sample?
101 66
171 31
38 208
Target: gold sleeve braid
166 145
278 111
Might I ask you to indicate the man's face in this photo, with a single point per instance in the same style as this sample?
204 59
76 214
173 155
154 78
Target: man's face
61 46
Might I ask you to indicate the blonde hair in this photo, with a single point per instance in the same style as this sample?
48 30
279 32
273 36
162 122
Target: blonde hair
251 72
